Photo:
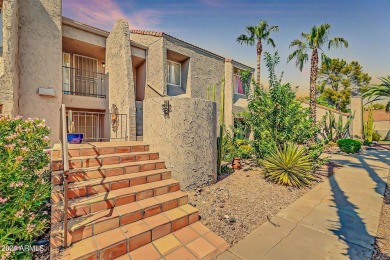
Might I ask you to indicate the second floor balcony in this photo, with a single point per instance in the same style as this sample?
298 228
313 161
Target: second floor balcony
83 82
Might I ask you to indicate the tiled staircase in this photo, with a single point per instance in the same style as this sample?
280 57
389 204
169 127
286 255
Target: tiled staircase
124 204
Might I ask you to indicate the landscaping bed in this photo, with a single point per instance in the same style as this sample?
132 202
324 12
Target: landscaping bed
240 202
382 244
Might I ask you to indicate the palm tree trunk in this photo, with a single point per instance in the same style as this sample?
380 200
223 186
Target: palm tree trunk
259 50
313 83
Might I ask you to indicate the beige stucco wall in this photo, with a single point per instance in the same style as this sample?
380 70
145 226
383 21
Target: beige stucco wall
205 69
229 94
322 111
9 69
383 127
120 74
81 102
40 60
80 35
357 123
186 140
156 58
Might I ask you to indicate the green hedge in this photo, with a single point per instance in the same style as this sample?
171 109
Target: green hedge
349 145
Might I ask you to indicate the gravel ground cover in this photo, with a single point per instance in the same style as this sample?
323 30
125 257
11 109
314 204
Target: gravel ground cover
382 244
240 202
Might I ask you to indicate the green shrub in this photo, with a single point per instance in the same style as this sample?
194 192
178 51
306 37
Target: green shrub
349 145
235 144
376 136
276 117
289 165
24 187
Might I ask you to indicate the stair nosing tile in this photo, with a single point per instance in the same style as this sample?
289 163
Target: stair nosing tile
109 179
102 156
112 194
177 194
109 166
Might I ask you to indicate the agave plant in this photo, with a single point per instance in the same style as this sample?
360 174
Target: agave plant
333 130
289 165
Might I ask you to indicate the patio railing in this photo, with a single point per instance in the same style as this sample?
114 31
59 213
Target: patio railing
99 126
83 83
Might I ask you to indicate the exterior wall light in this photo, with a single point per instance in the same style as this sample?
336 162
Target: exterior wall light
166 108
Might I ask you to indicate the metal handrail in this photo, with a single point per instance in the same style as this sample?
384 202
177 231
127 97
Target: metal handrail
84 83
155 90
65 162
99 122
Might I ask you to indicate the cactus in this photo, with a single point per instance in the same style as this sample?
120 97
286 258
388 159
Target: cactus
221 124
332 130
368 127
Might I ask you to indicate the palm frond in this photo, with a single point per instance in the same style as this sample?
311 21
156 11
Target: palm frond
274 28
326 60
248 40
298 43
337 42
271 42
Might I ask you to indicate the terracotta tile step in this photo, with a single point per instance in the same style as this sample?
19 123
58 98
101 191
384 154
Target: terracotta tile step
99 172
94 203
192 242
127 238
103 185
95 186
119 181
100 148
96 223
107 159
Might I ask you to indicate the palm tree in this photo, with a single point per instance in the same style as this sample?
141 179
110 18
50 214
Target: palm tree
255 35
314 41
377 92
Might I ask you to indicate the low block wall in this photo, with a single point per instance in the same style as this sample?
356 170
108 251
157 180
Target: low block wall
186 140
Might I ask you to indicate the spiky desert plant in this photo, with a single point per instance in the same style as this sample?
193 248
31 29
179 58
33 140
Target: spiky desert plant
289 166
332 130
221 124
368 127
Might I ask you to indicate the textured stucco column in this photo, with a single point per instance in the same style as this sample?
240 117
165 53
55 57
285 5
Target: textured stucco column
186 140
357 122
229 94
9 70
40 61
120 74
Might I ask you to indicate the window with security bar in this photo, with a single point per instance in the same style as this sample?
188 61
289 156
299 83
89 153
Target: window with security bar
174 73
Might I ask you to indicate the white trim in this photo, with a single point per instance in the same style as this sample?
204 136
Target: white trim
67 69
174 62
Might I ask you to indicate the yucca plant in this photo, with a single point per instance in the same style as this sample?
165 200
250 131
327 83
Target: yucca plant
289 165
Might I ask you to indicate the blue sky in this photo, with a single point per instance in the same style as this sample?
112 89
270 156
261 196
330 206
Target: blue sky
215 25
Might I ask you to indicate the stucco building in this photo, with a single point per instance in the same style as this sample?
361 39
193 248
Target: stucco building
47 60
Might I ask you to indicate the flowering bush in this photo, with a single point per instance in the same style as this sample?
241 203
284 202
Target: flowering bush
24 186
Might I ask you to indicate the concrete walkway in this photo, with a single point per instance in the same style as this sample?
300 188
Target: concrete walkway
338 219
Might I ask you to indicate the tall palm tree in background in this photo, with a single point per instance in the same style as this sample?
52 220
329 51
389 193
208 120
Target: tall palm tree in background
379 91
314 41
256 34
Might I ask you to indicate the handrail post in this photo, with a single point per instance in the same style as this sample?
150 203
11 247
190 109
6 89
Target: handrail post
65 162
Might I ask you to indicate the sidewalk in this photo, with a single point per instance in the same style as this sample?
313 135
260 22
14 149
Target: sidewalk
338 219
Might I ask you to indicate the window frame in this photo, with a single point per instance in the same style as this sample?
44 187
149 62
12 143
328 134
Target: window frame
180 70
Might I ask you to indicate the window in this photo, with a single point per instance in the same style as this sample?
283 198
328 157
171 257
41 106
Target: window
174 73
238 86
